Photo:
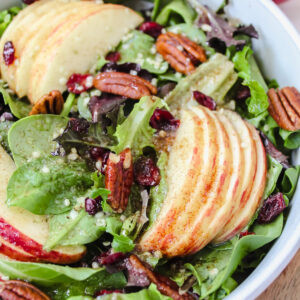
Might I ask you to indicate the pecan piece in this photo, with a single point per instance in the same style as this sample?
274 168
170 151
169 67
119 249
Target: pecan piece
285 107
119 179
53 103
180 52
166 286
15 290
123 84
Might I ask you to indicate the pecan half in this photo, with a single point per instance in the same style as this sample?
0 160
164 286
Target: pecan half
285 107
180 52
20 290
119 179
123 84
53 103
166 286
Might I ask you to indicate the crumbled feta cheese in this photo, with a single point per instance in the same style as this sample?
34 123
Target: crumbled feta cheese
67 202
99 165
133 72
206 27
63 81
266 128
73 156
89 82
95 265
73 214
154 81
45 169
96 93
36 154
122 218
106 244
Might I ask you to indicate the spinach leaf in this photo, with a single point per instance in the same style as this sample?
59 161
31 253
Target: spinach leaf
274 170
77 227
146 294
33 136
19 107
245 63
83 107
135 132
140 48
192 32
177 11
45 274
61 282
4 128
213 266
158 193
44 185
68 105
289 181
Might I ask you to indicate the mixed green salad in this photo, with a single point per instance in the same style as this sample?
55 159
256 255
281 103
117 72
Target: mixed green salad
61 161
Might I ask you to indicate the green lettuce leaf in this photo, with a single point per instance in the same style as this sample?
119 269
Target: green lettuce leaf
170 12
146 294
135 132
274 171
33 136
18 107
245 63
140 48
68 105
158 193
4 128
6 17
43 185
213 78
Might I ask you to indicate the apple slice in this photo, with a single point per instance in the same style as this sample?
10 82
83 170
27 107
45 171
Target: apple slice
195 154
15 33
254 200
249 170
61 15
76 48
26 232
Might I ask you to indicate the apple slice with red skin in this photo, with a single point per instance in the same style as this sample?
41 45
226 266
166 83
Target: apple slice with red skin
25 232
206 185
250 161
77 47
196 146
208 208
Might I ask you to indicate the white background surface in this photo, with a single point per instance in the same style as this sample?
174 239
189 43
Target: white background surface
292 10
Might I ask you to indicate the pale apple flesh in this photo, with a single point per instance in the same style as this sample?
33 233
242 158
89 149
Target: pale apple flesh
78 46
212 177
25 232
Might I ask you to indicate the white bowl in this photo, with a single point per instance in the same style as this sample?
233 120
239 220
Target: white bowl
278 52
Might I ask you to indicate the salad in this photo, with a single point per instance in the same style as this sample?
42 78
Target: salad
143 154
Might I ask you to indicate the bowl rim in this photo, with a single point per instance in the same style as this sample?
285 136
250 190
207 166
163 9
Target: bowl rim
252 287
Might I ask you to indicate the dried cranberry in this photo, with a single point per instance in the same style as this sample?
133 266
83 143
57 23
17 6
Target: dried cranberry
79 125
100 154
163 120
151 28
9 53
243 93
205 100
29 1
245 233
107 292
6 116
146 173
79 83
111 258
92 206
113 56
271 208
